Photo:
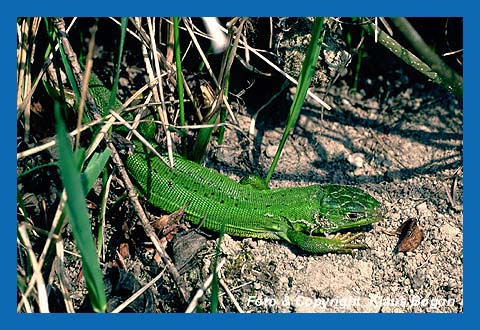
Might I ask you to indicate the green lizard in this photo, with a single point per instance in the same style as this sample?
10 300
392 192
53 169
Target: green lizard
296 215
301 215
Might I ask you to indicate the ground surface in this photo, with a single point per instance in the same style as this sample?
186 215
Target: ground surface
409 156
404 149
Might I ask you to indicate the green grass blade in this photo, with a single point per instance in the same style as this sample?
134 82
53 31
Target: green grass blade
21 203
360 55
202 139
52 41
223 112
215 289
452 80
36 168
221 129
308 69
95 166
113 95
455 85
204 134
78 216
68 70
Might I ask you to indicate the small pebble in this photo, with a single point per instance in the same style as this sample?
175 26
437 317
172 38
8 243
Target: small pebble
357 159
270 151
423 209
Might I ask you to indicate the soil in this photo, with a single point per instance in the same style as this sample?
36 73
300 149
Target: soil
407 152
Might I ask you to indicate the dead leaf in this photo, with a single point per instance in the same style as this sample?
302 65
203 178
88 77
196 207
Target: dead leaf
410 236
168 224
124 250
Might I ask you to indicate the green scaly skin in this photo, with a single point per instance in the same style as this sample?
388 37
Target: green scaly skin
300 215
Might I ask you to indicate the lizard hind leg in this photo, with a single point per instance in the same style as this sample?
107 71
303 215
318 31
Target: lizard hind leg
319 244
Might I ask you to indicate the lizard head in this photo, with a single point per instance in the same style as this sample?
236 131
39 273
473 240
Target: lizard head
345 207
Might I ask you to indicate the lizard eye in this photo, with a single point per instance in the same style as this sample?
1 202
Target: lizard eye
352 215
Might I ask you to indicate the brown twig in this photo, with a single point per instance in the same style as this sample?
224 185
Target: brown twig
168 67
149 231
77 71
452 192
126 179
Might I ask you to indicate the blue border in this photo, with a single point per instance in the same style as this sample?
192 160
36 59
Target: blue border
244 8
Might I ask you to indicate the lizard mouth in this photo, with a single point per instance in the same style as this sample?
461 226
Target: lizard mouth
359 219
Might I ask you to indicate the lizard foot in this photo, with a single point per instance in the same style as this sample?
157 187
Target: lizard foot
339 243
